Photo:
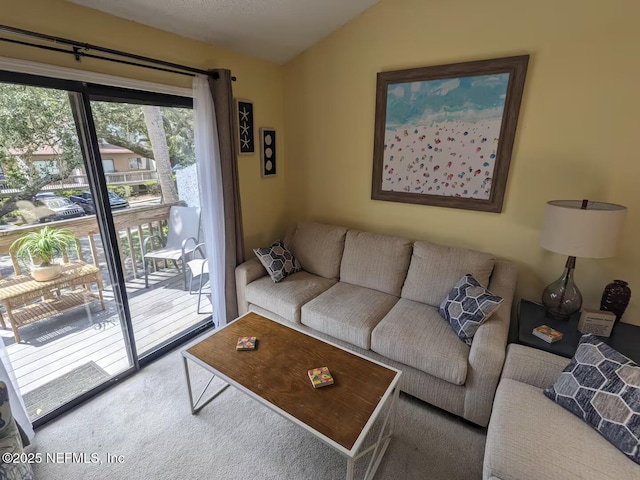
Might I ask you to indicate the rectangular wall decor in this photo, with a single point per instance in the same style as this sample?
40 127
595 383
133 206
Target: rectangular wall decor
268 151
246 143
444 134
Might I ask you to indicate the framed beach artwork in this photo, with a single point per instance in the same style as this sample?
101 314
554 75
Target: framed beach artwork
444 134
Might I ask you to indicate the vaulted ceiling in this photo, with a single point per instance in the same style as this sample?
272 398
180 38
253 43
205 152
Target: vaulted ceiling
274 30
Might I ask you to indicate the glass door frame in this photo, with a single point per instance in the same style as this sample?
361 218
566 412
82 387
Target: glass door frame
80 96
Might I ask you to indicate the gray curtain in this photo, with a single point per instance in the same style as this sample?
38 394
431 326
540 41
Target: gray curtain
221 91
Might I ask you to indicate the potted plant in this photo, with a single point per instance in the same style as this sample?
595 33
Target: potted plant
43 247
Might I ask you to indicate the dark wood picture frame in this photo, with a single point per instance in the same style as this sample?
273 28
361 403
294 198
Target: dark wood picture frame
268 152
428 87
246 131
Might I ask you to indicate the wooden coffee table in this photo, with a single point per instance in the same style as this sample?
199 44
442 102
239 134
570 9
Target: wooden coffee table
275 374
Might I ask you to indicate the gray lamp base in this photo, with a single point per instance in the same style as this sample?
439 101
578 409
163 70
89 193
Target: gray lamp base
562 298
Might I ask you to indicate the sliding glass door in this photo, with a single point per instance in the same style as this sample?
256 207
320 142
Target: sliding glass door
61 324
153 153
88 174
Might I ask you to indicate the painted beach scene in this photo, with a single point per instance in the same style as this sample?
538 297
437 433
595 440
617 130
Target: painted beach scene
442 136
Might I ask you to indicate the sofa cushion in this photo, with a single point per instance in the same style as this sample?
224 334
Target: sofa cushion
286 297
435 268
278 260
531 438
414 334
468 306
348 312
375 261
602 387
319 248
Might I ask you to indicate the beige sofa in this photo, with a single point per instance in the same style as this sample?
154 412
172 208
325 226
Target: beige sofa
532 438
379 295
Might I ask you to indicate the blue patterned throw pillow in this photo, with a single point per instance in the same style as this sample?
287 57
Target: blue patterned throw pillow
11 443
468 306
279 262
602 387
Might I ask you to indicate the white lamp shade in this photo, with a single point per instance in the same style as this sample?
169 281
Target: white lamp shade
592 233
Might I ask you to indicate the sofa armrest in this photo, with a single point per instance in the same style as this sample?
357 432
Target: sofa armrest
246 273
532 366
488 350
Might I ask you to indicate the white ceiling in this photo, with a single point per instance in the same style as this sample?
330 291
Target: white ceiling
274 30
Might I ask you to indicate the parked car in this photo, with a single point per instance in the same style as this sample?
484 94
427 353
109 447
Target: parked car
85 200
48 207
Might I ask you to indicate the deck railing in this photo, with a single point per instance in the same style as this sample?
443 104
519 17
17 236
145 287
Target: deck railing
133 225
81 181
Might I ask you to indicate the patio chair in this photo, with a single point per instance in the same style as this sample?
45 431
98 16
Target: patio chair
184 230
198 267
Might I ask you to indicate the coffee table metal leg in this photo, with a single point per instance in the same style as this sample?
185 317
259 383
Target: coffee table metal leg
197 405
380 446
350 466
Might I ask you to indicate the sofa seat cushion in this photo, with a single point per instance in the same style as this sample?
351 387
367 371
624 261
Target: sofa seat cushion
434 269
415 334
532 438
286 297
348 312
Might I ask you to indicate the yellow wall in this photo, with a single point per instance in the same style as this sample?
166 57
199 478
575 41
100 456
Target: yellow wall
257 80
575 137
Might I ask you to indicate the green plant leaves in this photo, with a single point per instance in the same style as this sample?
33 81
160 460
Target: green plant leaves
44 245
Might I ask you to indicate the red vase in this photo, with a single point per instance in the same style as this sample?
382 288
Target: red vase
615 298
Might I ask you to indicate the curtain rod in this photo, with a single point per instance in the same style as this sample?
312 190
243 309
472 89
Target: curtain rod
79 50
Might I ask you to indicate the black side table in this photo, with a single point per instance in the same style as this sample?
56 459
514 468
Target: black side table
625 338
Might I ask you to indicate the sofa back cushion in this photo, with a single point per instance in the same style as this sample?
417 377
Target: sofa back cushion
318 248
375 261
435 269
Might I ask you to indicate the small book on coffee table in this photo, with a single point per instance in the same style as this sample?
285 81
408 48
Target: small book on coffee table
547 333
246 343
320 377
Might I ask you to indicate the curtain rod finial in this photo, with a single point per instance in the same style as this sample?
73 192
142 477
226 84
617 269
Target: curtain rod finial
216 76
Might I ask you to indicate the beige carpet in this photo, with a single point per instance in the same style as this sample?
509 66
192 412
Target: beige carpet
146 420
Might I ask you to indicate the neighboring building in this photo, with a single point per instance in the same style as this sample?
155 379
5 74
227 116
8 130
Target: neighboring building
114 160
121 167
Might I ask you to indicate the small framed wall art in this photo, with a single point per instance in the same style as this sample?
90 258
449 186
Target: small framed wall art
268 151
244 111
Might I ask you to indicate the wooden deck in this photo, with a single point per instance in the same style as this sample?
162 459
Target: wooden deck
53 347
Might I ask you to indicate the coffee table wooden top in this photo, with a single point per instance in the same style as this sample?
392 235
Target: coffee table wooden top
276 371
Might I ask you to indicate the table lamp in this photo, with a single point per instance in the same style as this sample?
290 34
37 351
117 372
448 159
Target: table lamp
577 228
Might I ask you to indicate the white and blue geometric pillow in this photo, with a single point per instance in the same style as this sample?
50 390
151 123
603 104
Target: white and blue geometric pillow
279 262
602 387
468 306
11 443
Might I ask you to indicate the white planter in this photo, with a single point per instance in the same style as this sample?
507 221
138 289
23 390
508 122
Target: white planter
44 274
